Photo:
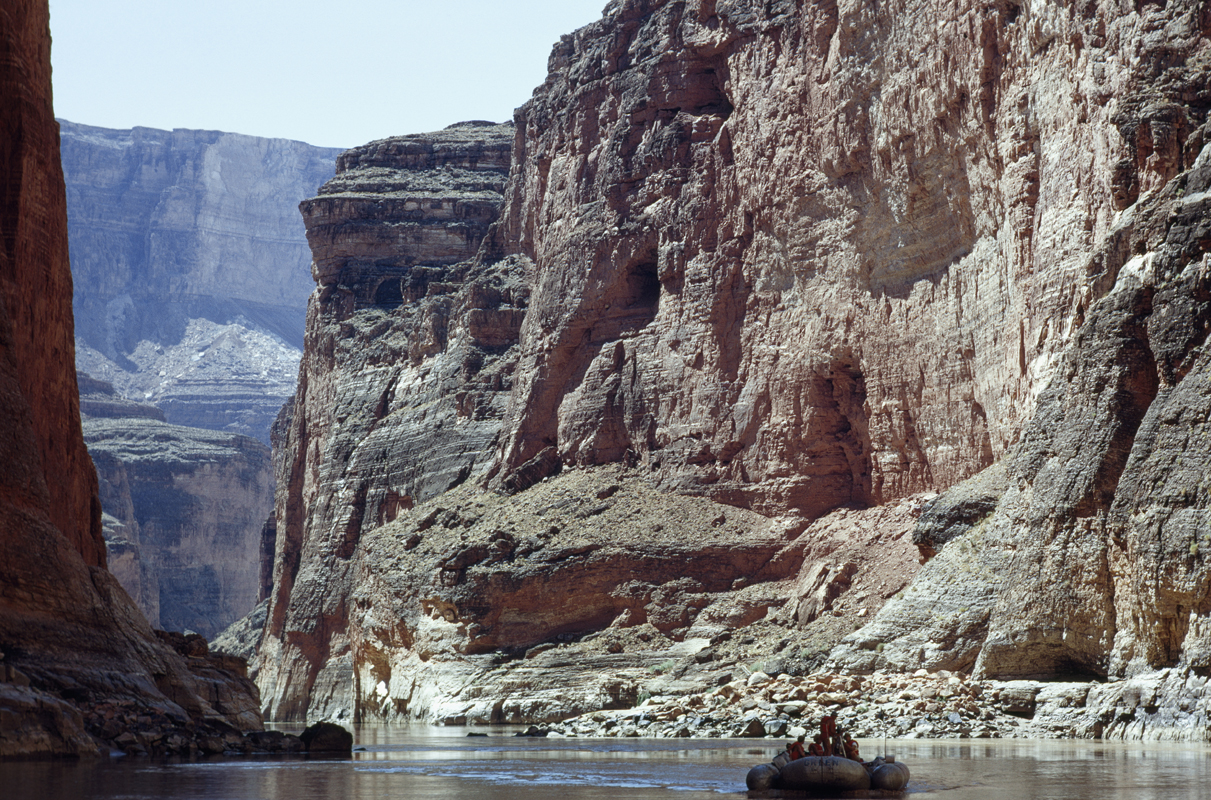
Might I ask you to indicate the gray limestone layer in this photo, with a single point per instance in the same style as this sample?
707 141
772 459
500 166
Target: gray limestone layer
191 267
183 511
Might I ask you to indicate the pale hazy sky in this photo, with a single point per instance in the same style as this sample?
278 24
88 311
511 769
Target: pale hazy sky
336 74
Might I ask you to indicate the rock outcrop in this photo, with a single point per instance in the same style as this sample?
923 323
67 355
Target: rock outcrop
184 509
404 379
191 267
920 705
1105 501
71 640
800 261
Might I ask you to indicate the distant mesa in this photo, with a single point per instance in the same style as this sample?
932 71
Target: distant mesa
191 268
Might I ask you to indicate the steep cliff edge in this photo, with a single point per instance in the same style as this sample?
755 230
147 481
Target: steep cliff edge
191 267
1104 502
793 256
70 637
801 261
49 472
403 381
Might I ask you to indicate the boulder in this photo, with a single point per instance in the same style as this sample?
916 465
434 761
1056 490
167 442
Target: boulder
327 737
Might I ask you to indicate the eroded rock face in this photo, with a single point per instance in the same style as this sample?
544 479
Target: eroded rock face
1088 555
187 507
791 258
190 267
70 637
403 384
561 603
47 468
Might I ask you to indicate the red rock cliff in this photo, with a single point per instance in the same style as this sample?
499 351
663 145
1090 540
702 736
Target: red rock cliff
793 255
71 640
786 256
36 331
403 381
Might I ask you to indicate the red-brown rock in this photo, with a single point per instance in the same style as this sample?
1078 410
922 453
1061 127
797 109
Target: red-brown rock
36 334
70 637
796 258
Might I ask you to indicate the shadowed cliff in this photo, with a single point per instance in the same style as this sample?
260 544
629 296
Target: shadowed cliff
71 640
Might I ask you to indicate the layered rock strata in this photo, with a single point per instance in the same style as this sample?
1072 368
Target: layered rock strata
70 637
1105 502
191 267
593 590
402 386
185 507
793 259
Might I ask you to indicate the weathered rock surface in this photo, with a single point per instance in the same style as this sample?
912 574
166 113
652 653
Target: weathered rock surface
327 737
586 591
404 380
792 257
45 467
1085 552
187 507
797 260
70 637
191 267
242 637
1166 706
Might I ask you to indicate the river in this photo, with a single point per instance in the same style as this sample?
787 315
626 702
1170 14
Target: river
443 763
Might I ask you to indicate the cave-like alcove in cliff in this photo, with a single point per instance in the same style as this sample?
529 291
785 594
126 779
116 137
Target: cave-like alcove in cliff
389 294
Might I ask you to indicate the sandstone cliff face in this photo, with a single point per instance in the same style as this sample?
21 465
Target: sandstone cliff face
190 267
1083 551
70 637
404 379
792 258
52 472
188 506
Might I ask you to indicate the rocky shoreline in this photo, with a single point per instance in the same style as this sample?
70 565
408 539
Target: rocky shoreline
1170 705
135 730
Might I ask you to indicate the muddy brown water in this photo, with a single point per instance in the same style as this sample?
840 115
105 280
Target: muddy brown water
443 763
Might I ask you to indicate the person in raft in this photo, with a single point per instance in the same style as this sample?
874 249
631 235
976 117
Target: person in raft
795 749
851 749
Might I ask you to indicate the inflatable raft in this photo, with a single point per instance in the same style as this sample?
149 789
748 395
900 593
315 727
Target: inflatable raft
822 774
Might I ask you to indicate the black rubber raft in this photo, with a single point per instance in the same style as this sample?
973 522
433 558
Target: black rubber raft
830 774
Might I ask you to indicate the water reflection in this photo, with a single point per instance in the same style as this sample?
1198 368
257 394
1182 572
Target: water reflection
445 763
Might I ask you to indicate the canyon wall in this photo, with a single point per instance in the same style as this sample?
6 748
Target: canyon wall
791 256
185 507
404 378
71 639
811 263
1105 500
191 267
53 473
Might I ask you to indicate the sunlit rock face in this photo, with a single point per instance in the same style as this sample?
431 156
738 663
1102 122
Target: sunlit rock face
793 255
1084 551
791 258
191 267
70 637
403 383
